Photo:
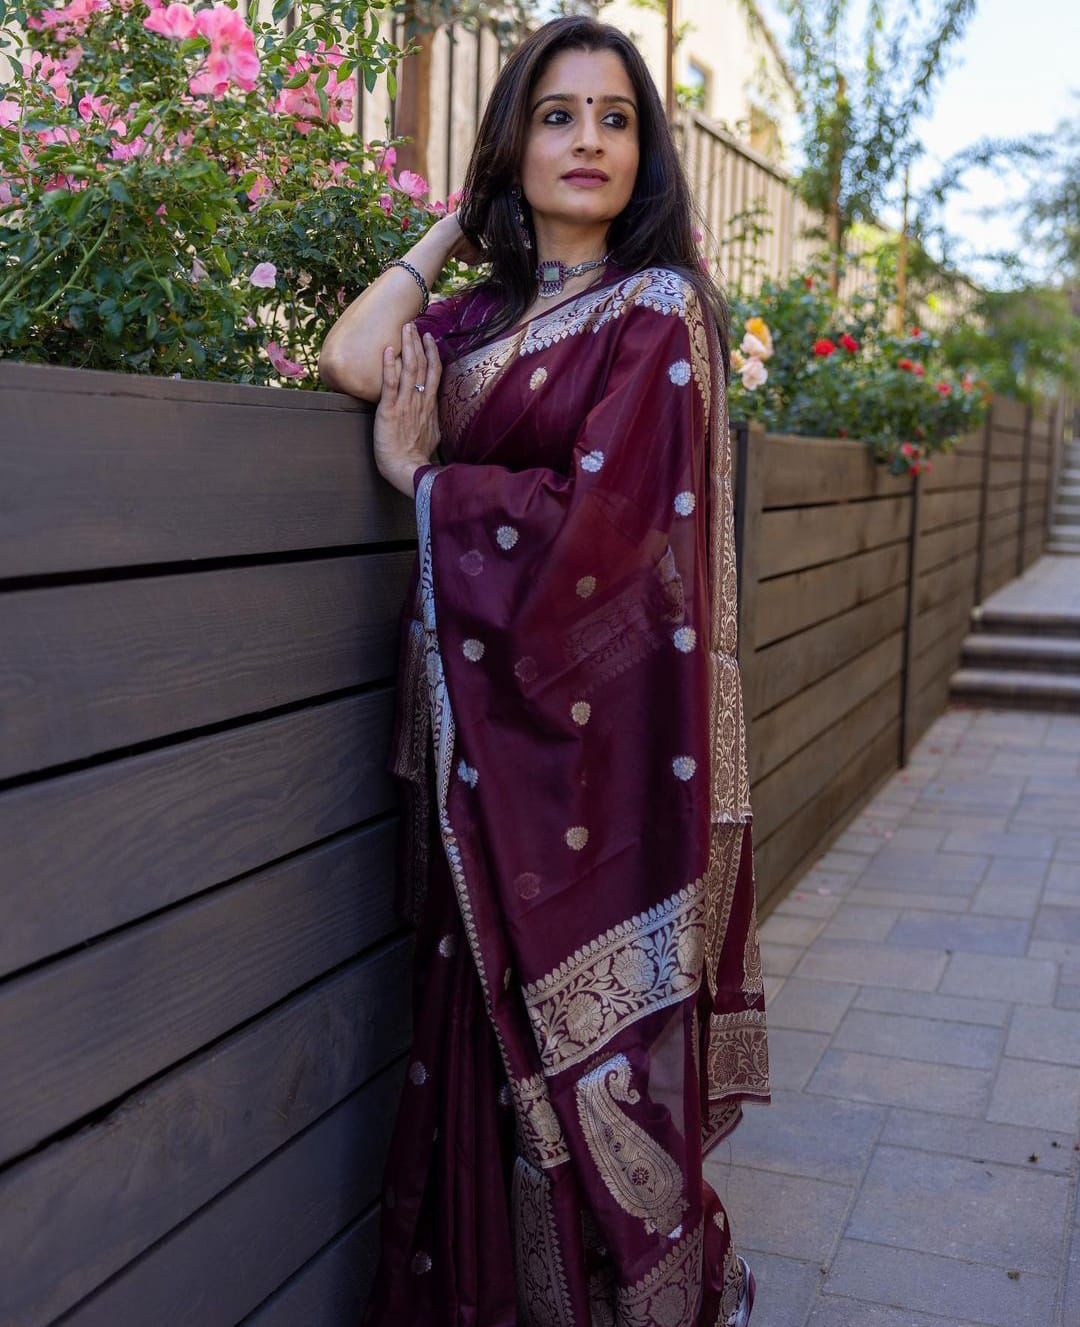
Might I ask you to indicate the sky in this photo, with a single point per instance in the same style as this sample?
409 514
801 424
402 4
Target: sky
1009 75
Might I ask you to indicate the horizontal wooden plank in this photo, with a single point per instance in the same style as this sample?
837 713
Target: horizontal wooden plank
194 814
790 665
1008 413
944 582
79 1210
781 793
90 1027
798 537
333 1287
947 507
803 471
226 1260
791 850
86 669
801 599
953 470
938 547
108 479
814 711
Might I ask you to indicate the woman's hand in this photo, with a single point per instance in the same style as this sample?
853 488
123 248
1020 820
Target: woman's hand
407 421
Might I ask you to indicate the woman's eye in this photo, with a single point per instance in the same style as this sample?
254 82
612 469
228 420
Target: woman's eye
620 117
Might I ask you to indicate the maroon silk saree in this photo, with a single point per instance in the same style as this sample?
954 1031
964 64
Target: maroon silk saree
576 845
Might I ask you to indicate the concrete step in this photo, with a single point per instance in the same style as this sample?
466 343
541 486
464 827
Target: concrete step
1024 622
1018 690
1068 491
1060 550
1064 535
1067 515
1032 654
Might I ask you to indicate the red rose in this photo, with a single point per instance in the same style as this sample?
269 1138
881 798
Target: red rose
823 346
906 364
808 282
944 389
919 370
915 332
966 383
849 343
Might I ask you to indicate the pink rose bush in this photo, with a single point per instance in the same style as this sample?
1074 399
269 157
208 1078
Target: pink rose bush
841 373
179 192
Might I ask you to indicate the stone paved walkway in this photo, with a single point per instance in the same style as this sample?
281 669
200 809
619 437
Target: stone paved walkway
918 1166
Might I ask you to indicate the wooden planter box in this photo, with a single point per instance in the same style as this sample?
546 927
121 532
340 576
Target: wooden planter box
204 996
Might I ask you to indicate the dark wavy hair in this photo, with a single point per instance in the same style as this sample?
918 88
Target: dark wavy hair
655 228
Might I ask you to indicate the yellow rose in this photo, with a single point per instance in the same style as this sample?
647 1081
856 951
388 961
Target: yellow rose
759 328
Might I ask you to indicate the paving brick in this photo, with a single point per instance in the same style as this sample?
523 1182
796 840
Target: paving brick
1068 848
807 903
779 960
1000 843
1031 1092
859 961
949 1287
1071 1305
980 1140
928 817
946 870
817 1137
810 1006
1000 976
857 1076
785 1289
929 1039
853 921
1044 1034
1017 871
928 1004
899 898
1058 924
989 935
924 838
793 1056
783 1214
779 929
830 1311
1058 952
953 1206
994 899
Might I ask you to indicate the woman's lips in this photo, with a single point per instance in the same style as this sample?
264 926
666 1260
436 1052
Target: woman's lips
585 181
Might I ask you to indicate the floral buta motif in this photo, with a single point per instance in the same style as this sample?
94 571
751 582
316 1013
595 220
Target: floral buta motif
542 1296
540 1134
642 1177
669 1295
646 963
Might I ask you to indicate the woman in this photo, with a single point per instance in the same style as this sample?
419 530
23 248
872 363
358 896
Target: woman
576 850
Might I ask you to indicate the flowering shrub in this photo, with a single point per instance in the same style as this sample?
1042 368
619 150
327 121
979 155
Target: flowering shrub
802 368
177 193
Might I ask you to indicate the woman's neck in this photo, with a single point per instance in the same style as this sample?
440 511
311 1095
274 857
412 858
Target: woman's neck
568 244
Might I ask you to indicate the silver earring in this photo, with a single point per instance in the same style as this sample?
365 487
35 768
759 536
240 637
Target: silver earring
526 239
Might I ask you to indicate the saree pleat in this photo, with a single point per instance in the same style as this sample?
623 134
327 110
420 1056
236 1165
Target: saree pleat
576 846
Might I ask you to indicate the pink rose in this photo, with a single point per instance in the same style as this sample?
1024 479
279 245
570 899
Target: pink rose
288 368
264 276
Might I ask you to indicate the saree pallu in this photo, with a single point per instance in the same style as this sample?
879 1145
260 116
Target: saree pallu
576 834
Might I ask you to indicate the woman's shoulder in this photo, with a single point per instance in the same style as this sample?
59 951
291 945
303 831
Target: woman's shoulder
667 290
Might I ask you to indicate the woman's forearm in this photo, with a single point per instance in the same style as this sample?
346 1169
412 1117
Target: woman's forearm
350 359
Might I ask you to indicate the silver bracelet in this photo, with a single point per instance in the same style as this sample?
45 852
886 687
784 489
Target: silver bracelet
400 262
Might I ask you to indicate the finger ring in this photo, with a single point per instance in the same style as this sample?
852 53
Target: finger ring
419 386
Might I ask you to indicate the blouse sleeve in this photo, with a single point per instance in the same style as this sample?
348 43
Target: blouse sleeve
443 316
571 614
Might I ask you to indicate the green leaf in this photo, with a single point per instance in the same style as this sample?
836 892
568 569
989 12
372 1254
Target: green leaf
114 324
298 80
281 8
119 190
391 84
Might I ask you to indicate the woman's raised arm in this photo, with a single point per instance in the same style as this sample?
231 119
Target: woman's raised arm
350 359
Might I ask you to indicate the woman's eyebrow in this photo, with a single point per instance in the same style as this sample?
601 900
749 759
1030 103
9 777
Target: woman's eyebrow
572 96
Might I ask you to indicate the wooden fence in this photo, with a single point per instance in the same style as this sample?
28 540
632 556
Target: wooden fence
204 994
855 597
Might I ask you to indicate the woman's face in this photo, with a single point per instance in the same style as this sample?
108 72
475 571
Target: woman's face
582 116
